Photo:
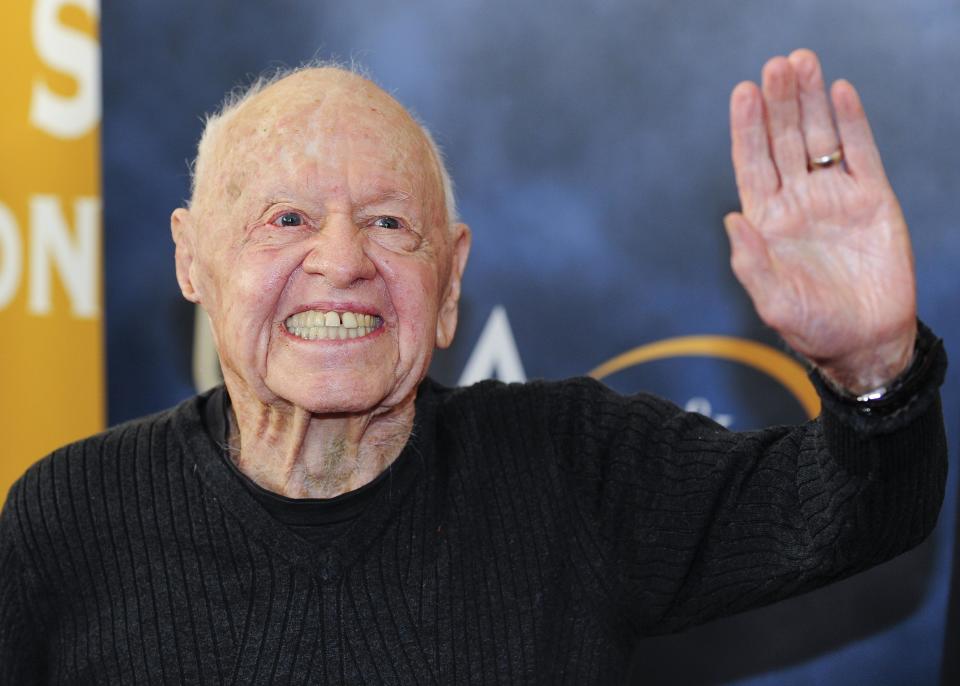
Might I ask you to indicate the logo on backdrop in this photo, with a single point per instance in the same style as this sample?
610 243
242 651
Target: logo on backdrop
496 356
776 365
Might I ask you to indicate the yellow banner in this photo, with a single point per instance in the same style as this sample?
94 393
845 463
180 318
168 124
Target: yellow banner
51 343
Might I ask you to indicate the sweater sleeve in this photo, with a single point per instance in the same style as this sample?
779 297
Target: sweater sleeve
687 521
21 637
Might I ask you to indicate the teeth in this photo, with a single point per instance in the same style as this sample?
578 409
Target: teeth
315 325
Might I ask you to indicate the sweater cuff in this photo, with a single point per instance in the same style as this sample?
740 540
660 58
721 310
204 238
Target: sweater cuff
910 397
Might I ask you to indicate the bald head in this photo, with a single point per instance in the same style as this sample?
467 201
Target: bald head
325 96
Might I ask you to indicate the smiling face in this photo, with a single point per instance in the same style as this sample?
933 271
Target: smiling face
319 246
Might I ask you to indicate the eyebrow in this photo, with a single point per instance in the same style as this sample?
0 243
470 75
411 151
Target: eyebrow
388 195
376 197
385 196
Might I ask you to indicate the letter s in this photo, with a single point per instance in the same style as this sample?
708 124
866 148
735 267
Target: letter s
75 53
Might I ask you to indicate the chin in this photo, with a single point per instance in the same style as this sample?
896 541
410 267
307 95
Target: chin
319 395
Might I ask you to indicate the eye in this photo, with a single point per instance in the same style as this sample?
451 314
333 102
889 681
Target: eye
289 219
387 222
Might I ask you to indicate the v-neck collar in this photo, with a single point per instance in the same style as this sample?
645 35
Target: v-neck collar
328 561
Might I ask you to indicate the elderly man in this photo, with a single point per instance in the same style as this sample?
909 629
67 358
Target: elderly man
332 516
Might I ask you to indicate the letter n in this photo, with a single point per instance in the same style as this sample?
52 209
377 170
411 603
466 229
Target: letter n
76 257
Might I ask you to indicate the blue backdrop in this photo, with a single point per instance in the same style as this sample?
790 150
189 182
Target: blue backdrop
589 145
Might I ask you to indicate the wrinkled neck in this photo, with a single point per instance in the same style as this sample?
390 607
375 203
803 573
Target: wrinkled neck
295 453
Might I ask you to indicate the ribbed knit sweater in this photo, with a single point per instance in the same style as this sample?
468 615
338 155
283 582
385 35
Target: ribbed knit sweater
536 532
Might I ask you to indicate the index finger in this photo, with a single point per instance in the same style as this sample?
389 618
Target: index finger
753 165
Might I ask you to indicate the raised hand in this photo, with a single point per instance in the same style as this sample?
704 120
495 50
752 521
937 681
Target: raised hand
822 249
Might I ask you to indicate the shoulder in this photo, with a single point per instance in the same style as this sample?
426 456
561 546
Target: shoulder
94 469
492 391
124 440
570 401
493 401
561 421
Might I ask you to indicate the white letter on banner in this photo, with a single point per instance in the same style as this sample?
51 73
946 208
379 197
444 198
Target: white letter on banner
495 355
75 53
77 260
11 256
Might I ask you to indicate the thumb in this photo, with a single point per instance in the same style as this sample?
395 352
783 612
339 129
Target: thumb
749 258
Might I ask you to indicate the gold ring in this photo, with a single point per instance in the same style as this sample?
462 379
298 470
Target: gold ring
826 161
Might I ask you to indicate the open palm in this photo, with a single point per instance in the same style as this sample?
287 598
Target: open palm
824 252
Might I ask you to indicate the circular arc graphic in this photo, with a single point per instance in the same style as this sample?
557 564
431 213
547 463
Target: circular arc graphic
775 364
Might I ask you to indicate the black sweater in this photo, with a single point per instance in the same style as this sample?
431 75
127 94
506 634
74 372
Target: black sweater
527 533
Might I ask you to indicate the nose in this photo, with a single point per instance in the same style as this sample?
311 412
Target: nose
338 253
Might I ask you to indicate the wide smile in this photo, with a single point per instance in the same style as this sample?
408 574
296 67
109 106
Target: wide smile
315 325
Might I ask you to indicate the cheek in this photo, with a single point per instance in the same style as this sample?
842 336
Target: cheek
414 296
260 285
249 290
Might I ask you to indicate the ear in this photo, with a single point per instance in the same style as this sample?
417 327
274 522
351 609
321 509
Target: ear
447 317
183 237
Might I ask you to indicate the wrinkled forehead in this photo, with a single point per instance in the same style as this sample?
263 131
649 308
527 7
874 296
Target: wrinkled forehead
311 125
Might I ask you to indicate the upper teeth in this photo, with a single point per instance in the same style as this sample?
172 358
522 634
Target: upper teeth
314 324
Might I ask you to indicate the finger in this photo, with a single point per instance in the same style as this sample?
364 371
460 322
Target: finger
752 164
859 149
750 260
819 133
783 118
